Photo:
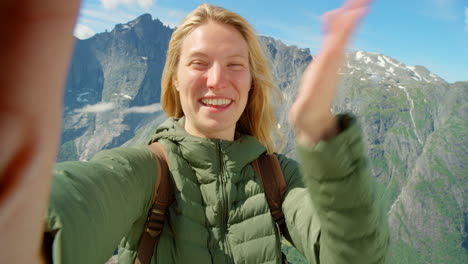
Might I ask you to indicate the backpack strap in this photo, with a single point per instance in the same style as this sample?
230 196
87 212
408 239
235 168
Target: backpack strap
267 167
163 198
269 170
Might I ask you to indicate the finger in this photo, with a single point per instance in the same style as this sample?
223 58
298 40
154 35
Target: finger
330 55
351 4
328 18
331 16
342 23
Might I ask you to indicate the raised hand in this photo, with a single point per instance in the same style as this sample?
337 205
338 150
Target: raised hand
35 48
310 114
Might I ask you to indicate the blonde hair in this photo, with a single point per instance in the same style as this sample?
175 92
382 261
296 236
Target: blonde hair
258 118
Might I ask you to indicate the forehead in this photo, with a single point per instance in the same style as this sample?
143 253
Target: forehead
214 39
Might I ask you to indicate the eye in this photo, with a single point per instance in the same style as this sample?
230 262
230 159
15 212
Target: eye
198 64
236 66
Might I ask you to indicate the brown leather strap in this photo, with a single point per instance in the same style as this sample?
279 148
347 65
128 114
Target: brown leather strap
268 168
163 198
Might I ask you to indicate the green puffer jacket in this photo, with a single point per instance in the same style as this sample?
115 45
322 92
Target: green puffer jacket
220 214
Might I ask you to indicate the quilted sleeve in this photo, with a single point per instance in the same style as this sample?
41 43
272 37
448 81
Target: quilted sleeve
93 204
336 217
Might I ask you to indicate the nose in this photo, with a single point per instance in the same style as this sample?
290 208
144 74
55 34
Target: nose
216 77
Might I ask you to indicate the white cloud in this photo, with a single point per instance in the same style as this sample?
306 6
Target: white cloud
175 13
313 16
442 9
111 4
115 16
94 23
97 108
106 106
83 32
144 109
145 3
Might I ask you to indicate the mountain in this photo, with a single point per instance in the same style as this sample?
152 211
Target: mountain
122 68
414 125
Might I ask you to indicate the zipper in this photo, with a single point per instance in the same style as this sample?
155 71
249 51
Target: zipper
224 203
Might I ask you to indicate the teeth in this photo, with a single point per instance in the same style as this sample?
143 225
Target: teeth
216 101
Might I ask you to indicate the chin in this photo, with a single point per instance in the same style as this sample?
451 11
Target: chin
217 127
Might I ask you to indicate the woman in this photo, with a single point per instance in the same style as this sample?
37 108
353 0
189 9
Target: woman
217 88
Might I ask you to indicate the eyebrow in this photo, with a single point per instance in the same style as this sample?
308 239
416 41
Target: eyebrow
201 54
197 54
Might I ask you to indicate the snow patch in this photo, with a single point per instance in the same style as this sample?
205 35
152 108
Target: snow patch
124 95
391 70
436 78
359 55
417 77
80 99
381 62
391 62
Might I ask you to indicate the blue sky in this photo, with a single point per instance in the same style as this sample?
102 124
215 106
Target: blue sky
432 33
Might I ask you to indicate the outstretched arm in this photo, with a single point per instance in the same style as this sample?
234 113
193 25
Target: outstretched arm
310 113
35 47
343 222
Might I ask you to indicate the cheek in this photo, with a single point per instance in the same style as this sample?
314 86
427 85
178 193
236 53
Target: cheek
183 87
245 84
191 83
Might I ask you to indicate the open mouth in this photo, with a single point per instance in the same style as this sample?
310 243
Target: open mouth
216 102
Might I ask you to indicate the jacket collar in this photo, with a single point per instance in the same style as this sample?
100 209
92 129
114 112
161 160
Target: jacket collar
210 154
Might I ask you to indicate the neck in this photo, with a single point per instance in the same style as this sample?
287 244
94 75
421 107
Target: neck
224 135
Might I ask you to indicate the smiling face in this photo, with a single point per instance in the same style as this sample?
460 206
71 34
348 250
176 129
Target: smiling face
213 80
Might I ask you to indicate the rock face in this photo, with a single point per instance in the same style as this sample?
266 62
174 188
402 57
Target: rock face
122 68
414 124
